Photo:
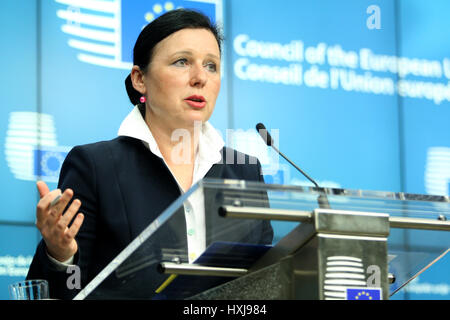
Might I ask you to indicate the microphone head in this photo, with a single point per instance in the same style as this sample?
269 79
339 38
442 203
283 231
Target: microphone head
264 134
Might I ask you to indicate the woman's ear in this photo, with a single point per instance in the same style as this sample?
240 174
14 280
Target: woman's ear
137 79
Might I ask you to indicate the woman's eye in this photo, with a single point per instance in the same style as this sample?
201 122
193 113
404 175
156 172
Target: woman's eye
211 67
180 62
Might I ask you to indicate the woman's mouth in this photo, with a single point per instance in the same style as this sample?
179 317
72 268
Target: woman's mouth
197 102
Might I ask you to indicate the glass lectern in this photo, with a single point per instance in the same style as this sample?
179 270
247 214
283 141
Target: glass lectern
326 244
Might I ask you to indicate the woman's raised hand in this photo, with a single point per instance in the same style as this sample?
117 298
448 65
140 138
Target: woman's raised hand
54 225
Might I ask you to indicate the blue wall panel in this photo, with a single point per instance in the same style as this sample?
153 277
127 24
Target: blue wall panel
347 137
17 246
18 104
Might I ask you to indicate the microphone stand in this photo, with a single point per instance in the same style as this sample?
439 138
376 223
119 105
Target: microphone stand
322 199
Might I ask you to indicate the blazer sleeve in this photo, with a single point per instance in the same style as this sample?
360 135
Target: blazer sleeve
78 173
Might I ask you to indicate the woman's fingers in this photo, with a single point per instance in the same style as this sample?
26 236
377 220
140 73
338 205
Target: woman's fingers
58 208
75 227
43 207
50 217
61 204
45 201
42 188
69 214
53 223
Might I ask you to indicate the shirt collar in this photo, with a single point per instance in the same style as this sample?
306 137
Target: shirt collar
210 141
134 126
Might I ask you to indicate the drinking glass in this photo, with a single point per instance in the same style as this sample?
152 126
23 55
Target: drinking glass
29 290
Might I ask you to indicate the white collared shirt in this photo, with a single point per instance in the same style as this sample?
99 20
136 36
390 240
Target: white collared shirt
210 144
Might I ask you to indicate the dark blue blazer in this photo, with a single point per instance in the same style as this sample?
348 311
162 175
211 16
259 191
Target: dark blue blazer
123 187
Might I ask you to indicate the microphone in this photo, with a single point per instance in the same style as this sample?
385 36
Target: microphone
265 135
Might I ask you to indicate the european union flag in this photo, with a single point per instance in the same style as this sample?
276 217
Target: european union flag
48 161
363 294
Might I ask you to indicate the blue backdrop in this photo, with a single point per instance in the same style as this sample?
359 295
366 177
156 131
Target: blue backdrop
356 92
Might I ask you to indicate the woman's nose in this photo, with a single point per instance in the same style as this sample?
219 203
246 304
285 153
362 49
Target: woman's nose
198 76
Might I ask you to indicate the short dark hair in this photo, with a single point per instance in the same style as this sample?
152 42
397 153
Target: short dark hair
160 29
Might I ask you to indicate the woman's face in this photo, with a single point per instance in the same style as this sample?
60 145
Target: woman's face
183 78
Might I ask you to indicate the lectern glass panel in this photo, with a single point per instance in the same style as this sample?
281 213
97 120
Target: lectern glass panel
229 223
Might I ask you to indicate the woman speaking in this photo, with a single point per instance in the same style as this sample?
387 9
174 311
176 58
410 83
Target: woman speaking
111 190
